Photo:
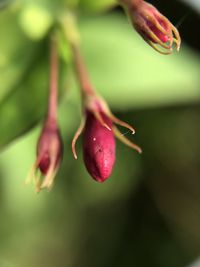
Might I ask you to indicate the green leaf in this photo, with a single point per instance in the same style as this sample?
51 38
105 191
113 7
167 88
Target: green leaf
5 3
16 53
129 73
20 110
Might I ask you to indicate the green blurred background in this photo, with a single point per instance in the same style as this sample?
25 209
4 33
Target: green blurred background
148 212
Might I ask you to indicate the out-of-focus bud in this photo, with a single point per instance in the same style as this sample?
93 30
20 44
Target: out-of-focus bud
49 155
155 28
98 147
49 146
99 134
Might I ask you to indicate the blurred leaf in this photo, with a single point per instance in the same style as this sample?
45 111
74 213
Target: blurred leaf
129 73
5 3
16 53
97 5
21 109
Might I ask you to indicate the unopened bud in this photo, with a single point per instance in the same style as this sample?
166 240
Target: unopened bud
49 155
98 147
49 148
99 132
155 28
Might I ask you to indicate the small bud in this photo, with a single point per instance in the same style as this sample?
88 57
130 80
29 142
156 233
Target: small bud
49 155
98 147
155 28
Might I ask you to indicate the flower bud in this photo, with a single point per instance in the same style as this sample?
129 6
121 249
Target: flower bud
49 148
98 147
49 155
155 28
99 132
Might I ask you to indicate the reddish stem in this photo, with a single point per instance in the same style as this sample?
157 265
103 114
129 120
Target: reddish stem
81 71
53 87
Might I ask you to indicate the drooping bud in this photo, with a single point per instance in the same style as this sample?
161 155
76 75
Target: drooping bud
155 28
49 146
98 147
49 155
97 124
99 134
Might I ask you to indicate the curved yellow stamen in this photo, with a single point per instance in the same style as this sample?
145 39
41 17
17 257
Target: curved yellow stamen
32 173
120 122
124 140
76 136
177 37
156 48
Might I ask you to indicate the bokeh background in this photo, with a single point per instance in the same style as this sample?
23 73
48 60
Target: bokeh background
148 212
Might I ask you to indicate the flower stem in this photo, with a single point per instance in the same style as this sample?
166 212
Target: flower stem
53 87
71 33
81 71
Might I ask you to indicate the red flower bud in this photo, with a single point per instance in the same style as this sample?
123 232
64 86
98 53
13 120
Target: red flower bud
49 155
99 137
98 147
49 148
155 28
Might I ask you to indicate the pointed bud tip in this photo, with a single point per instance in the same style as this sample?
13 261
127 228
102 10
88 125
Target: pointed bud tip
101 179
100 171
